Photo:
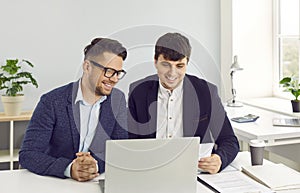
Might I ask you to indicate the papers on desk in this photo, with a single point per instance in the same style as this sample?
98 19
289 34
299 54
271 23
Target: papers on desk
275 176
233 182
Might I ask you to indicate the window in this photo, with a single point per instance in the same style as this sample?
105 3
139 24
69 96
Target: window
286 39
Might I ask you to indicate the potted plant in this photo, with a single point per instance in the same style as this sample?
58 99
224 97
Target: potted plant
12 79
291 84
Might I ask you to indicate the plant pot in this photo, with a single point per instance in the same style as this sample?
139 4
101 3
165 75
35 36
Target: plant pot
295 105
12 104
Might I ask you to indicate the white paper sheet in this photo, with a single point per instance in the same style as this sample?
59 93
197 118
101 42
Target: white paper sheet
233 182
205 149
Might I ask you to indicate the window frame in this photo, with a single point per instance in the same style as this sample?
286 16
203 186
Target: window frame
277 37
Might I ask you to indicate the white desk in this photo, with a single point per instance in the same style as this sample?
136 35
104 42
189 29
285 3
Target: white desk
23 181
283 141
262 128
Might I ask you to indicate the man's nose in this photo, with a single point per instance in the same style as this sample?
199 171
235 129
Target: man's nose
172 70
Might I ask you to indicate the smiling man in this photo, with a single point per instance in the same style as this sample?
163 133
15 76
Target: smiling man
173 104
67 132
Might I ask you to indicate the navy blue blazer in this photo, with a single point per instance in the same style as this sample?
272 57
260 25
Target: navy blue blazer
52 137
203 114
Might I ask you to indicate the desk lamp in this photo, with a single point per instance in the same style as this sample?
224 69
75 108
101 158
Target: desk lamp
234 67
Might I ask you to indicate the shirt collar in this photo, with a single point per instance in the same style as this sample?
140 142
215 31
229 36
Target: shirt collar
79 97
176 92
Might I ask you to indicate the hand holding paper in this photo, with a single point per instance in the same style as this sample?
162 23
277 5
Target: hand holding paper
208 162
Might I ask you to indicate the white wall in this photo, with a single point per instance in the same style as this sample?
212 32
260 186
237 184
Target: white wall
226 48
252 42
52 34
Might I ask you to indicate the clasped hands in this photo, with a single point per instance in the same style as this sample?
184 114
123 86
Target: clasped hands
84 167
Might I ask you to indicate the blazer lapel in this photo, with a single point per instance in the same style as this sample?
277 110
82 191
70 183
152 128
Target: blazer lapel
74 116
191 111
104 128
152 107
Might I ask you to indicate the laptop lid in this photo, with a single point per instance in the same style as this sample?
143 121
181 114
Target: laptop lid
152 165
286 122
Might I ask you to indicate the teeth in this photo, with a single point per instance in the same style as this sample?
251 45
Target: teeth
108 85
171 78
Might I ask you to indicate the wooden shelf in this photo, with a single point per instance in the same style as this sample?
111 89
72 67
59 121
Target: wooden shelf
4 156
24 116
11 154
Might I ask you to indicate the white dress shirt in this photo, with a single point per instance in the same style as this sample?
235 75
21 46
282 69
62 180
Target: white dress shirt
169 112
89 118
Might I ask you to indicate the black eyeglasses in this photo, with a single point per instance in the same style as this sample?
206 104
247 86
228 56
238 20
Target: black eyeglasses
110 72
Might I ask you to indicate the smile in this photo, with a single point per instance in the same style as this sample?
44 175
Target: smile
171 78
108 85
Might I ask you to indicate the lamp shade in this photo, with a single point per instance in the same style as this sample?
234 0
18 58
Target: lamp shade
235 65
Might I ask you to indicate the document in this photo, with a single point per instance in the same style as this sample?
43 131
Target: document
205 149
275 176
233 182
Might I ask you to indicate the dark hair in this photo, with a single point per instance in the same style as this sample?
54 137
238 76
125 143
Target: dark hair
100 45
173 46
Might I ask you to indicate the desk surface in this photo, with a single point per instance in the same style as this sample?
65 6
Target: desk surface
23 181
263 127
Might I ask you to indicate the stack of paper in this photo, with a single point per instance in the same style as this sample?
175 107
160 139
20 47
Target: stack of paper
232 182
275 176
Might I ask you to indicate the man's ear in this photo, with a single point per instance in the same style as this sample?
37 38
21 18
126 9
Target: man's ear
155 63
86 65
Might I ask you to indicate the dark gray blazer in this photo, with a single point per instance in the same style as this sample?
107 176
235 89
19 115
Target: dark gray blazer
52 137
203 114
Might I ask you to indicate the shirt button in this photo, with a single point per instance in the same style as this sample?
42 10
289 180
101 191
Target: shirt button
170 117
170 136
171 100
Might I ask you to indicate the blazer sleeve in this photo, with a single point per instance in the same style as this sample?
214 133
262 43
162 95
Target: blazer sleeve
222 131
36 141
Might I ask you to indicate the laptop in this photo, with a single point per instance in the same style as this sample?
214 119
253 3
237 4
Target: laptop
151 165
286 122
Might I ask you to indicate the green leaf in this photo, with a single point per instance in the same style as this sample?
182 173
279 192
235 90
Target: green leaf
11 66
12 80
29 63
285 80
291 84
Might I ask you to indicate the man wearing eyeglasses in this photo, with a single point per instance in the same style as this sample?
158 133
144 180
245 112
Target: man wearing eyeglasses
68 129
173 104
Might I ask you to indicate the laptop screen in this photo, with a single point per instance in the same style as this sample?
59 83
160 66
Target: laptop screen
152 165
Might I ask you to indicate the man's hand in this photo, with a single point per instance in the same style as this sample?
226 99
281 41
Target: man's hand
84 167
210 164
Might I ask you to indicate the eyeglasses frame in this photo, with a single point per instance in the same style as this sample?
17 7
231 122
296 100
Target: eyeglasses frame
107 68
